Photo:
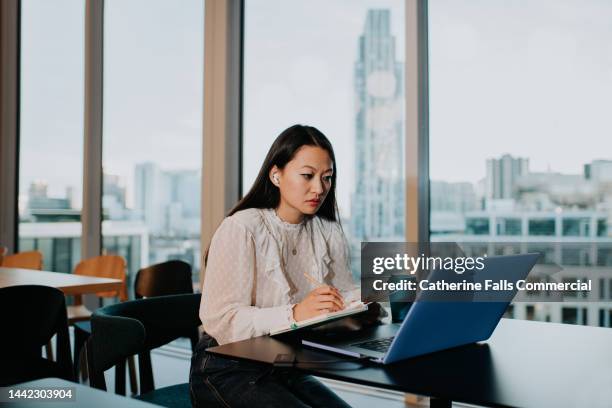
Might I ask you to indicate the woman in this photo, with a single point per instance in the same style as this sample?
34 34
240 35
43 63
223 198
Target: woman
261 269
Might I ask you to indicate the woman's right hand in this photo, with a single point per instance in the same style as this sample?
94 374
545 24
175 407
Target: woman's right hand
319 301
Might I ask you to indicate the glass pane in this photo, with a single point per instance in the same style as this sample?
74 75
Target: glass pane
152 160
518 125
51 131
342 73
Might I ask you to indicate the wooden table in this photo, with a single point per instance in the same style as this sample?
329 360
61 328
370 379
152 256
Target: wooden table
66 282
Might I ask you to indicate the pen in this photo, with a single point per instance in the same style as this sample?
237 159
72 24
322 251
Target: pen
312 280
316 282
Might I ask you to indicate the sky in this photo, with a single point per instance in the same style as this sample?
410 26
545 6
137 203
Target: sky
529 78
51 117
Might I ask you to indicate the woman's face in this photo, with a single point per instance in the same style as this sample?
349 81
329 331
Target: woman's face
303 183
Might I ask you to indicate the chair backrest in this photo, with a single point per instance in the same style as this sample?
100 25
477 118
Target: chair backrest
128 328
166 278
28 327
24 260
105 266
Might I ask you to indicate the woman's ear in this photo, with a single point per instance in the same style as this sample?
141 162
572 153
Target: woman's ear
274 175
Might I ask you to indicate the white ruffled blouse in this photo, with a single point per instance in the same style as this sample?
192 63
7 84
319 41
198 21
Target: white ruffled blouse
253 278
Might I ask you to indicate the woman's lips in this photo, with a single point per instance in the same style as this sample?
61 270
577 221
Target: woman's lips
313 203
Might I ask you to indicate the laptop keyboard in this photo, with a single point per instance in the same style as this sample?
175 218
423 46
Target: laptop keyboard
380 345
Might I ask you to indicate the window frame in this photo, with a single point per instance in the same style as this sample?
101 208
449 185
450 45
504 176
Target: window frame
10 73
222 120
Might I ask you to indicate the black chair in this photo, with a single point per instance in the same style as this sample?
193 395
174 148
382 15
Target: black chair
27 327
166 278
138 326
162 279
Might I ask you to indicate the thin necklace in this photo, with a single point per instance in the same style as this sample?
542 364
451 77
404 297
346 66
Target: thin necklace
297 239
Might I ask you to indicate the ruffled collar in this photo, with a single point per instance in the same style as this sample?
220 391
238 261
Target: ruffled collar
271 214
277 229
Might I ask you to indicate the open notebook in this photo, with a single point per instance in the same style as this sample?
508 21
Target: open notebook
353 308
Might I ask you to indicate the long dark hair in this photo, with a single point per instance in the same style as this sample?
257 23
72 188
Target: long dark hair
264 194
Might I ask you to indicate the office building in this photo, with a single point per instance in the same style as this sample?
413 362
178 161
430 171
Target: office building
502 174
377 210
150 196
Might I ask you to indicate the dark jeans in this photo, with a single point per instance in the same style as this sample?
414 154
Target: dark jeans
221 382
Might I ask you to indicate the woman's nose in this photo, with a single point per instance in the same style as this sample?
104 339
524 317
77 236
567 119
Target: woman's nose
318 186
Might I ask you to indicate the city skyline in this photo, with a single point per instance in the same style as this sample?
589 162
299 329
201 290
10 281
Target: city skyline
518 118
465 52
119 181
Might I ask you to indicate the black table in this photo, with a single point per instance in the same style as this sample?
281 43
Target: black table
524 364
84 396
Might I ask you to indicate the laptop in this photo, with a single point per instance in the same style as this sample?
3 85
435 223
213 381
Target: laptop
432 324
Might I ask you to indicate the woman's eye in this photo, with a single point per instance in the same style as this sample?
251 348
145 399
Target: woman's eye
327 179
307 176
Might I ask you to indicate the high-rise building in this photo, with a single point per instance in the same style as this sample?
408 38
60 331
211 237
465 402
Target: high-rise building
184 188
183 208
113 199
149 197
168 201
502 175
112 187
378 198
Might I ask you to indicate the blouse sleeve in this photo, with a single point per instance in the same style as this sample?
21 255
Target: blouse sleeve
341 276
226 311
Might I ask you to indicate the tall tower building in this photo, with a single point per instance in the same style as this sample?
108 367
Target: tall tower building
377 205
502 174
150 199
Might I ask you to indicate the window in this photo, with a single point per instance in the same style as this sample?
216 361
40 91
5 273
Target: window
508 226
530 309
499 105
605 317
51 131
477 226
153 84
575 255
341 72
574 315
542 227
604 255
576 227
602 228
